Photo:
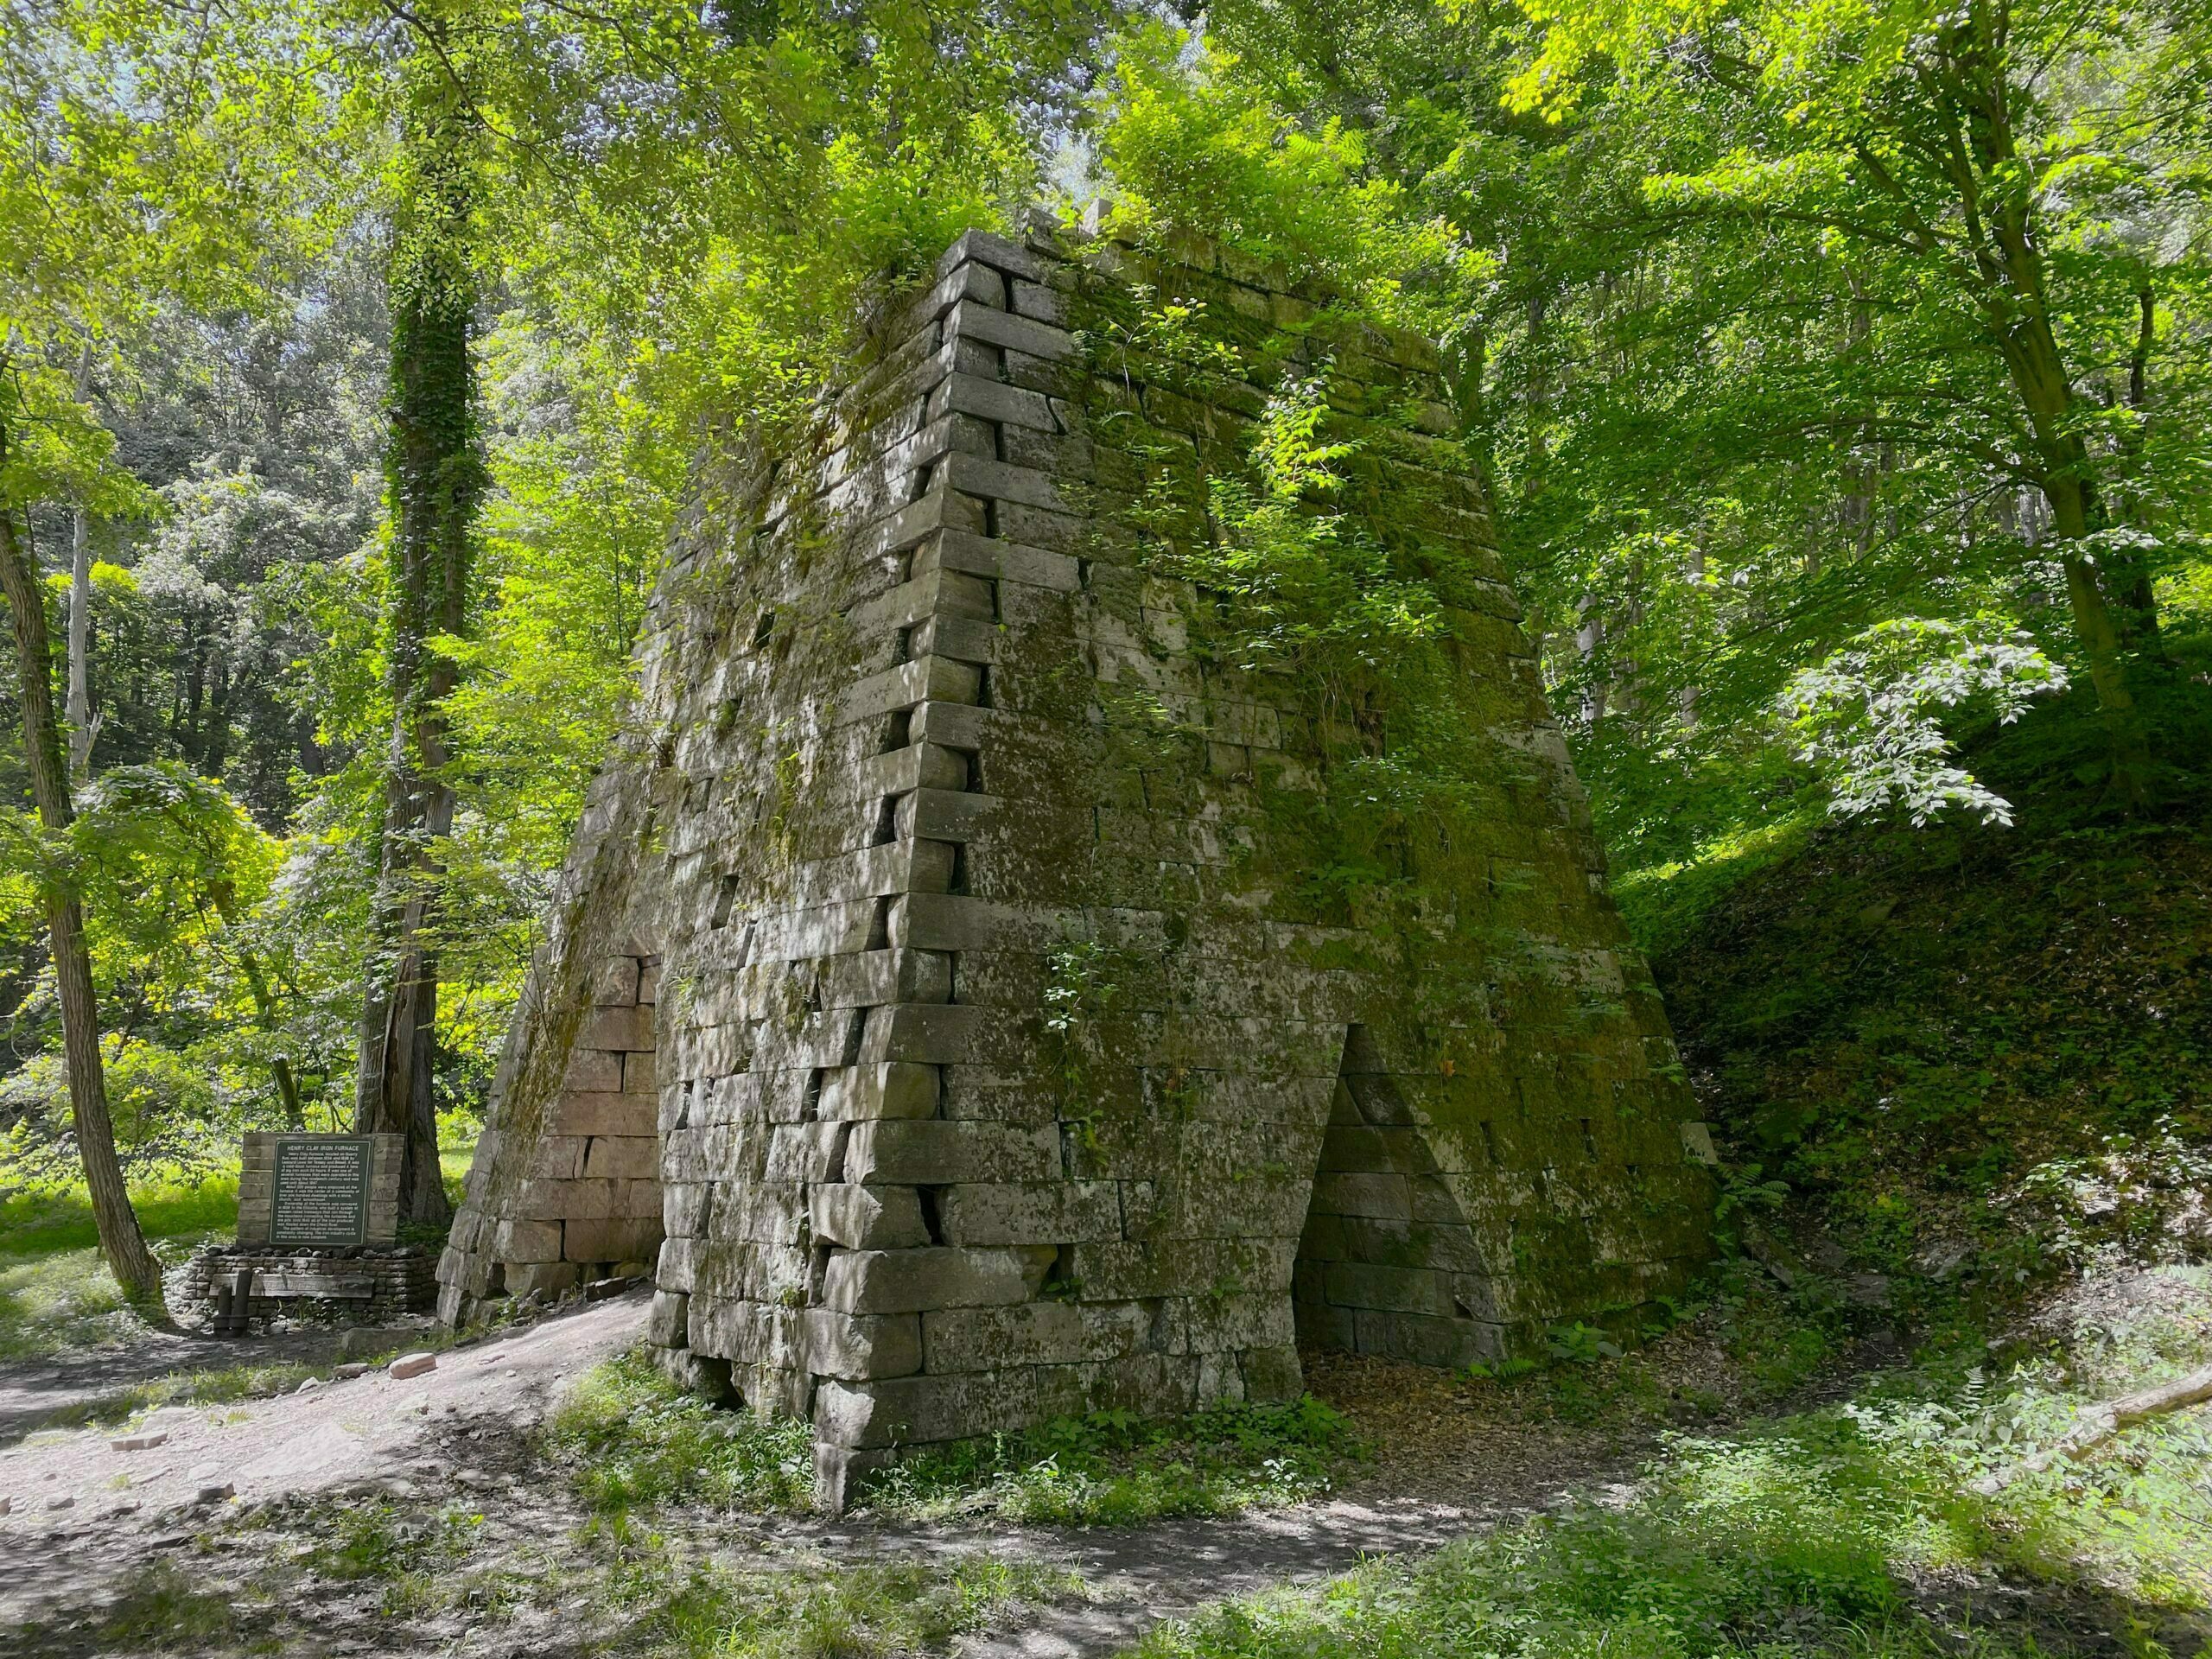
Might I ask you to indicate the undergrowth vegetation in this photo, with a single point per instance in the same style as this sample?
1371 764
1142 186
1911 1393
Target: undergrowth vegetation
377 1541
629 1438
623 1589
56 1293
1115 1468
1979 1059
213 1386
1908 1521
693 1608
50 1303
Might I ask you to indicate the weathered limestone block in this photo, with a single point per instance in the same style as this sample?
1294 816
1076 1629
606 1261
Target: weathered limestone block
623 1157
900 1089
527 1241
954 988
905 1411
849 1346
1034 1332
869 1217
559 1157
941 1149
1005 1212
595 1070
906 1282
611 1238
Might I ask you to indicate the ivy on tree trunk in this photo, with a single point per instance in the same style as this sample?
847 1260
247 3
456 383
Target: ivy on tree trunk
435 476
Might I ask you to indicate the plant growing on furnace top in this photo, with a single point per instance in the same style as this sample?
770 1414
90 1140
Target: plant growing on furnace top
1312 590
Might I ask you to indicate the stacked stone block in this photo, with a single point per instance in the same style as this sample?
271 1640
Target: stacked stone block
1015 1057
587 1205
351 1287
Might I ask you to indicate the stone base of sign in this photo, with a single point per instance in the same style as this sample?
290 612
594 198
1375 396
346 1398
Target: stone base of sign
346 1286
258 1185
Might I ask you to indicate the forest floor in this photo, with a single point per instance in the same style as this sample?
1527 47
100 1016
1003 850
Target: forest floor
127 1551
437 1515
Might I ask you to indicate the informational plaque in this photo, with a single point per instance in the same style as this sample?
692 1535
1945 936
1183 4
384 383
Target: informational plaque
320 1192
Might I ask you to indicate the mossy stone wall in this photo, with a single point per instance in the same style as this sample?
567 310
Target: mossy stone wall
1041 996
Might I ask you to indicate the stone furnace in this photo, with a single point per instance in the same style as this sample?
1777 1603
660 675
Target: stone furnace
988 985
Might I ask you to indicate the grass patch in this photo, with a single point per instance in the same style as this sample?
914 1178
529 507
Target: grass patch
1113 1468
1860 1529
222 1386
41 1221
706 1610
56 1293
1793 1543
631 1439
165 1608
416 1556
54 1302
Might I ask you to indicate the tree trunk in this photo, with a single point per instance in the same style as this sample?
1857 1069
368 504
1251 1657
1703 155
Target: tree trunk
121 1242
215 732
435 477
2125 576
287 1092
2069 487
83 728
223 896
1589 640
2016 307
2099 637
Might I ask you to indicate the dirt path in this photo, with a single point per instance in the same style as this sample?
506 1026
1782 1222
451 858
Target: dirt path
371 1427
91 1527
1140 1576
31 1393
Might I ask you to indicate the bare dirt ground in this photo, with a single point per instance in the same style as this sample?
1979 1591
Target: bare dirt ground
94 1531
371 1429
31 1392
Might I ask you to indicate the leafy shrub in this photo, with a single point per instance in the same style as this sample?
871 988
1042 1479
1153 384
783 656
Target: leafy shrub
1869 715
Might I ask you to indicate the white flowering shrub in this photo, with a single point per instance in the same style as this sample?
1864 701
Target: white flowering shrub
1869 717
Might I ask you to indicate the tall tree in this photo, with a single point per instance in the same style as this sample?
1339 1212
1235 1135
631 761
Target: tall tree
435 475
1968 164
122 130
83 727
121 1242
